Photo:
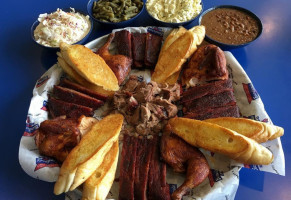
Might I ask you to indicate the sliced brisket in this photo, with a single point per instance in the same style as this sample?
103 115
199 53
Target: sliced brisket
71 110
75 97
74 86
142 166
138 48
158 188
152 50
123 43
127 168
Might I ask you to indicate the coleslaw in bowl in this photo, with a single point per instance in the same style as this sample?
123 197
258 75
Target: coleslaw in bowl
65 25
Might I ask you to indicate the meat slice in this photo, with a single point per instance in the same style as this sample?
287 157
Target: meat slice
127 168
158 188
142 166
58 108
72 96
225 111
211 101
206 89
123 43
119 64
184 158
152 49
74 86
57 137
138 48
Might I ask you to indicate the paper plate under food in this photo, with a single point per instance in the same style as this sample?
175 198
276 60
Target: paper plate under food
225 171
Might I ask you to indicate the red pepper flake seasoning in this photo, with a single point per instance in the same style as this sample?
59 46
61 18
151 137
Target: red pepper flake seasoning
230 26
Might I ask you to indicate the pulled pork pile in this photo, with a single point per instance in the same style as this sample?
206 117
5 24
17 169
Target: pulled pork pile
146 106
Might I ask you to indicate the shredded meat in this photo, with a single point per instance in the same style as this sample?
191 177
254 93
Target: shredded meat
146 106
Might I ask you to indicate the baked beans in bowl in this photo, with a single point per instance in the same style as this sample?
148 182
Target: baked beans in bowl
230 26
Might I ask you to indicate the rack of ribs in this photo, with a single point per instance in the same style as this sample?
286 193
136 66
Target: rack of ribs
206 89
224 111
211 100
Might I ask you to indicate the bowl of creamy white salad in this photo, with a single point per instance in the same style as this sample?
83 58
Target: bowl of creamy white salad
174 13
62 25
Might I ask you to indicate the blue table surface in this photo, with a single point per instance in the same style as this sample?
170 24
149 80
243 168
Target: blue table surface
267 61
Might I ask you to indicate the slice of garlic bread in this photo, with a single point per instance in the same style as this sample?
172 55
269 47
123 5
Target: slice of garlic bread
89 65
88 155
258 131
97 186
221 140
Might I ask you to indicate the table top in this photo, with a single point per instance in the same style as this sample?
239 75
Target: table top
267 61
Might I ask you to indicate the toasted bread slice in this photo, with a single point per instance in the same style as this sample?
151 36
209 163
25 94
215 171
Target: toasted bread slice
97 186
173 36
221 140
87 156
172 59
198 34
258 131
78 78
89 65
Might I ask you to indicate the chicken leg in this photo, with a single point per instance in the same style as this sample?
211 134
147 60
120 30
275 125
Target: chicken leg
119 64
184 157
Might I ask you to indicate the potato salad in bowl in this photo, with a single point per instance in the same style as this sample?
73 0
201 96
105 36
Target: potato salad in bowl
174 11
